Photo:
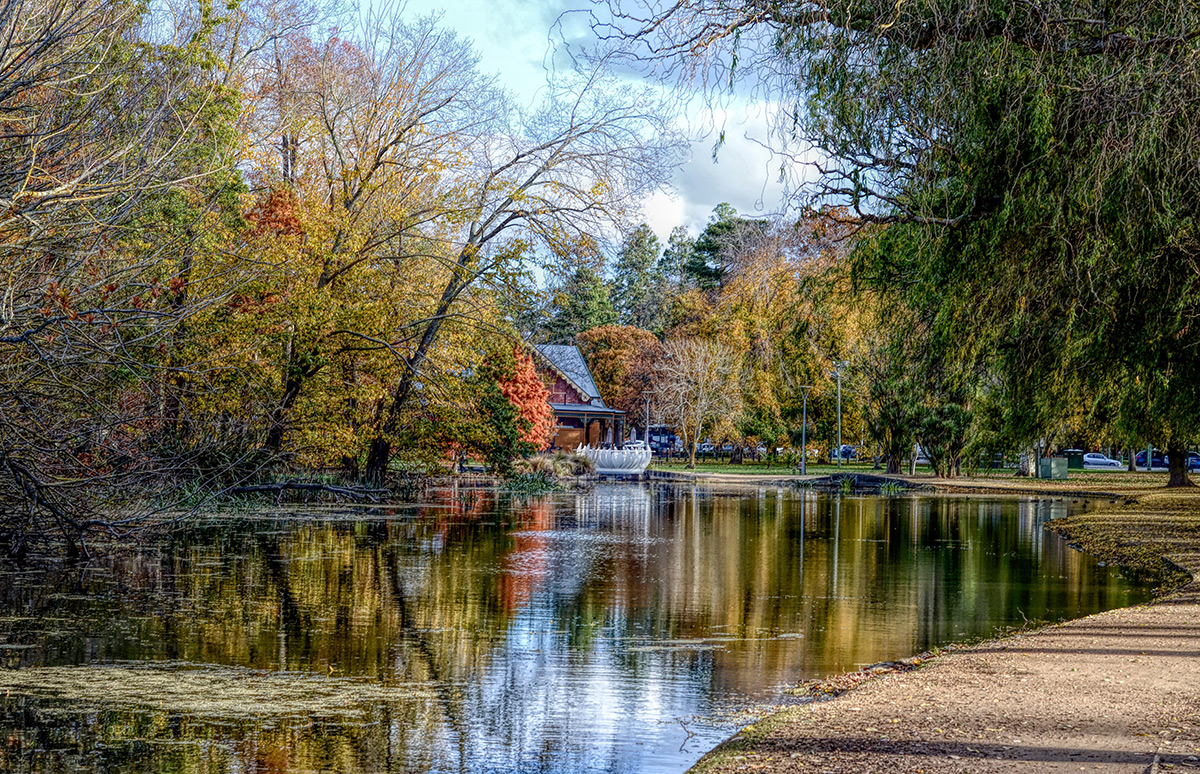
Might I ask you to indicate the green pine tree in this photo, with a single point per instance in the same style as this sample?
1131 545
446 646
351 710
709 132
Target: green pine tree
675 257
581 303
638 285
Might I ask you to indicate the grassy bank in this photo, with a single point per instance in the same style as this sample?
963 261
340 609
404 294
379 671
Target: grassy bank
769 468
1097 479
1155 534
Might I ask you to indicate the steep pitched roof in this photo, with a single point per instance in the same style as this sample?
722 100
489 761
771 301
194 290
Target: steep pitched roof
569 362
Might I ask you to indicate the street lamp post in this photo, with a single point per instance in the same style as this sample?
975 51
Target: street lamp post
804 433
646 395
838 365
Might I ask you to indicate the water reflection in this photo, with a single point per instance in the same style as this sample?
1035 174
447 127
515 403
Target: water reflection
602 631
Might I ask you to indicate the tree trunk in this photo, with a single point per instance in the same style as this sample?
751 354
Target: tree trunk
692 455
735 457
1177 459
893 464
1132 461
279 417
381 450
350 472
377 462
350 467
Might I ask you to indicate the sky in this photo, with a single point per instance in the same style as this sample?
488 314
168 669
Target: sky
516 40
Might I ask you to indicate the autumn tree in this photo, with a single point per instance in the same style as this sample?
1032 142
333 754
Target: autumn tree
527 392
113 150
780 304
696 388
623 361
420 193
269 47
355 135
561 175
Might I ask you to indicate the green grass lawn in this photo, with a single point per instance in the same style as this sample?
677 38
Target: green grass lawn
765 468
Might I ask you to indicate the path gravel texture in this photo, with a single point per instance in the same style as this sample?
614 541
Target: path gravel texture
1115 692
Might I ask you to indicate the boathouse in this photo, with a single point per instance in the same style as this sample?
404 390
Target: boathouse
580 414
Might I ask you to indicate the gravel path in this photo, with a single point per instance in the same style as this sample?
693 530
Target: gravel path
1115 692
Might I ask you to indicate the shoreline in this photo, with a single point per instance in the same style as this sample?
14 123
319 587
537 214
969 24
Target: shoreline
1119 485
1151 532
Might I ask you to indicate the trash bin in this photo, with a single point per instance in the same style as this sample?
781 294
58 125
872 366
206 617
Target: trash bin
1053 468
1074 458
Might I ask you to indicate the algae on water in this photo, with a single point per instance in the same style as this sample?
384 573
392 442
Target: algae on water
209 691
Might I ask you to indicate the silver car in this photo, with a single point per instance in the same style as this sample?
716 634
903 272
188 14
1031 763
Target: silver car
1097 461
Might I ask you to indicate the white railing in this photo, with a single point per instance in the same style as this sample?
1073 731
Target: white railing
617 462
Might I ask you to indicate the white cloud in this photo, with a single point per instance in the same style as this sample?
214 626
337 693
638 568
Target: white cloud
663 212
744 172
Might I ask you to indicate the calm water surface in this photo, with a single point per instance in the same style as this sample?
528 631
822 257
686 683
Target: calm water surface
618 630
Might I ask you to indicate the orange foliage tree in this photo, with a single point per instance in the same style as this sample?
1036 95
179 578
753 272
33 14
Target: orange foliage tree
622 360
528 394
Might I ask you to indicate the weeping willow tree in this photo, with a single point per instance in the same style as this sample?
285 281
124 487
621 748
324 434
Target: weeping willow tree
1034 163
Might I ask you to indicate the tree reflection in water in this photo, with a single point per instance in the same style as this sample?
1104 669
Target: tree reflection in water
566 633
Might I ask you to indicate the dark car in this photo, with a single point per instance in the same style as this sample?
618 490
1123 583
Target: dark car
1158 460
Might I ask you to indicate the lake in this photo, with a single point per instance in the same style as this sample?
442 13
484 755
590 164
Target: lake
627 628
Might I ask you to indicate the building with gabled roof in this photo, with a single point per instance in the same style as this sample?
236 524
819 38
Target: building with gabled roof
581 417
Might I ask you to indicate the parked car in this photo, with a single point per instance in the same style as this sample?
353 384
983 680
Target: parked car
664 442
1160 460
706 448
848 452
1157 460
1098 461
